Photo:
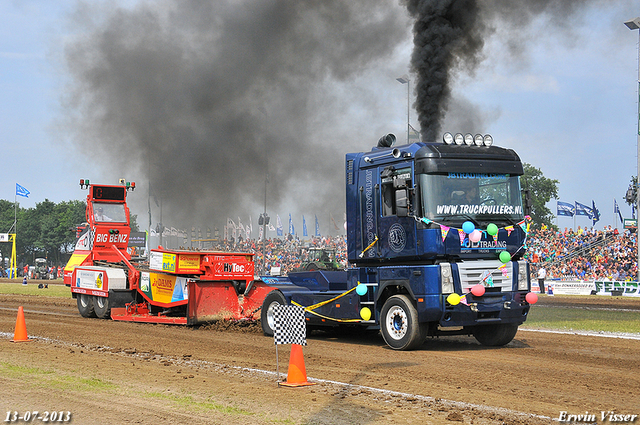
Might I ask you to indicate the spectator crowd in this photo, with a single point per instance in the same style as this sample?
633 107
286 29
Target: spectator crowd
583 254
286 253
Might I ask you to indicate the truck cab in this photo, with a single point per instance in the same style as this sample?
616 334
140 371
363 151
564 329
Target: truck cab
435 241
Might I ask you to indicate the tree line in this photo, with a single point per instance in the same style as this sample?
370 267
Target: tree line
46 231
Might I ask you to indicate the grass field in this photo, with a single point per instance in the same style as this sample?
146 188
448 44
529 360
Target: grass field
551 317
567 318
31 288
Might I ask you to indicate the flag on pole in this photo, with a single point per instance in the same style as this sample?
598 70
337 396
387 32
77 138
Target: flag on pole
317 227
304 227
414 135
22 191
596 213
291 229
334 222
617 210
566 209
279 228
582 209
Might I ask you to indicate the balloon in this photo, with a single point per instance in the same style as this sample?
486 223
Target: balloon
478 290
365 313
505 257
492 229
475 236
531 298
453 299
468 227
361 289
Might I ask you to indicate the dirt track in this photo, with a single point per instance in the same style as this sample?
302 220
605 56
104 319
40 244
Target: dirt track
115 372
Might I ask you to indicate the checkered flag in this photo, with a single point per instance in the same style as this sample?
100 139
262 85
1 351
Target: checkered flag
289 327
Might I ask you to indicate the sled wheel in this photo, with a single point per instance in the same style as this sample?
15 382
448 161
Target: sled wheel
495 335
399 324
85 305
102 307
273 299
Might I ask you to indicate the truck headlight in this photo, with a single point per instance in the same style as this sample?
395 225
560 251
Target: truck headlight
523 281
446 277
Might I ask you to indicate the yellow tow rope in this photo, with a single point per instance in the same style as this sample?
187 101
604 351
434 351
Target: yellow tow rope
318 305
369 247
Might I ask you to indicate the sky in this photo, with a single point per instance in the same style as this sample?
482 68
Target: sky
197 104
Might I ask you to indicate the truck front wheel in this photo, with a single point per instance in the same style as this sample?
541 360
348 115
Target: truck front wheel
399 324
102 307
273 298
85 305
495 335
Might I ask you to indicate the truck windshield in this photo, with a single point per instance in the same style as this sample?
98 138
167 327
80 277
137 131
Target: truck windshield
457 197
103 212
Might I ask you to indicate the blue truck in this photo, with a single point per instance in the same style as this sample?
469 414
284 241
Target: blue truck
435 244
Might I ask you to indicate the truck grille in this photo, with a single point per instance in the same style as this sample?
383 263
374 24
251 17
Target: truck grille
471 274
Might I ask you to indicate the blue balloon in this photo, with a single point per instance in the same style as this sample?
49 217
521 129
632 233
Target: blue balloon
361 289
468 227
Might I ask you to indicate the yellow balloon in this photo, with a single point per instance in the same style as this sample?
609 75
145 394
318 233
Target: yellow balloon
365 313
453 299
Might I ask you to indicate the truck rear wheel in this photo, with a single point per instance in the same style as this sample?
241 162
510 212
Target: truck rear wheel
273 298
85 305
102 307
399 324
495 335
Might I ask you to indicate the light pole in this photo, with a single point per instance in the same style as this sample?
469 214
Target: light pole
634 24
405 80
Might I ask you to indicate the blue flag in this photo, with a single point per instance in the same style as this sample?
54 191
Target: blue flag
582 209
304 227
317 227
278 226
596 213
21 191
565 208
291 230
617 210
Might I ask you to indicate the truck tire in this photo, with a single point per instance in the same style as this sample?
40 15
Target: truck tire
272 299
399 324
495 335
102 307
85 305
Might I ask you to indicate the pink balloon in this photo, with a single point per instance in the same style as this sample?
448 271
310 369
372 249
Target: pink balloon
475 236
478 290
531 298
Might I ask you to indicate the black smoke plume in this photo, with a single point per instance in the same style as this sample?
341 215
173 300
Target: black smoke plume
449 36
202 98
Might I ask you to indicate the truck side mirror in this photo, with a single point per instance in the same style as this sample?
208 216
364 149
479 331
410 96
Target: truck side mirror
527 202
402 203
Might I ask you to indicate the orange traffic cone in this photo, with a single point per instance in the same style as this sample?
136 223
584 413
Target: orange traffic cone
20 334
297 375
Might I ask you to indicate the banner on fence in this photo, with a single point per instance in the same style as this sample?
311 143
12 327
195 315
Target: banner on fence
579 287
626 289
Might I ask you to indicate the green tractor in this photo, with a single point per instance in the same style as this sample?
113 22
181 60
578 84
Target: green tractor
319 259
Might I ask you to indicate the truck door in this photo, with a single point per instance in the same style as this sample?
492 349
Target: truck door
396 226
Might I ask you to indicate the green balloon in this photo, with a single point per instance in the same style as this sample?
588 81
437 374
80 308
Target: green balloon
492 229
505 257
